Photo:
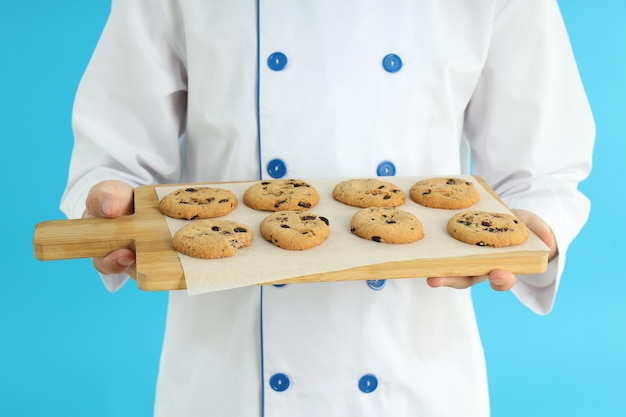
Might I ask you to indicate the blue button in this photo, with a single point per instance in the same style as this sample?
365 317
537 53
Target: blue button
376 284
392 63
276 168
277 61
368 383
279 382
386 169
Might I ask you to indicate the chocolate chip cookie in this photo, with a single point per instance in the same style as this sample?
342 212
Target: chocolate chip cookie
445 193
386 225
369 192
484 228
198 203
212 238
280 195
295 230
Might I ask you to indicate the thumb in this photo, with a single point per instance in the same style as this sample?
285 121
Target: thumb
539 227
110 199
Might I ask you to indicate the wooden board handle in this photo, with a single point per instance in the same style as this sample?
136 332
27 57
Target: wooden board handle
82 238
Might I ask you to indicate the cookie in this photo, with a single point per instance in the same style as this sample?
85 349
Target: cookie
386 225
212 238
280 195
485 228
295 230
445 193
369 193
198 203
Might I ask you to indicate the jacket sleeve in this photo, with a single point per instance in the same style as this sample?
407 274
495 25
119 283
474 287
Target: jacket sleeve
129 108
531 130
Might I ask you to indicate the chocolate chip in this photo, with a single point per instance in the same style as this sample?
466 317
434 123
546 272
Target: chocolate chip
285 226
240 230
224 200
308 217
451 181
304 204
498 229
324 219
216 228
191 190
377 239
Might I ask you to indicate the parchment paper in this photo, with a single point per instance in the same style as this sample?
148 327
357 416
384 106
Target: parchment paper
262 262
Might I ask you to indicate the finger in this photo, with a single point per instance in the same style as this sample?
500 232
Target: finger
543 232
501 279
454 282
117 262
110 199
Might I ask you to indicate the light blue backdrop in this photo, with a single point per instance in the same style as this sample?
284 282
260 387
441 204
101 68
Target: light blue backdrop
68 348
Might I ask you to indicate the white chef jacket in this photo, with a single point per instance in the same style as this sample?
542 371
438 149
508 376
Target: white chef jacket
210 90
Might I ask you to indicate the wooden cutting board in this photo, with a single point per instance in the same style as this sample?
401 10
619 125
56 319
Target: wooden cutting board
159 266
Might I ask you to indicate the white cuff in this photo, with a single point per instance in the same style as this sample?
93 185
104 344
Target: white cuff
538 291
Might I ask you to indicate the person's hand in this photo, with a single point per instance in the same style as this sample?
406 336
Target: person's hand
112 199
501 279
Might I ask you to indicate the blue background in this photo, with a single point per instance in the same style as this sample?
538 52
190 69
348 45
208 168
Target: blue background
68 347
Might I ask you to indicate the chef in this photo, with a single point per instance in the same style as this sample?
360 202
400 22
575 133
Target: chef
209 90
